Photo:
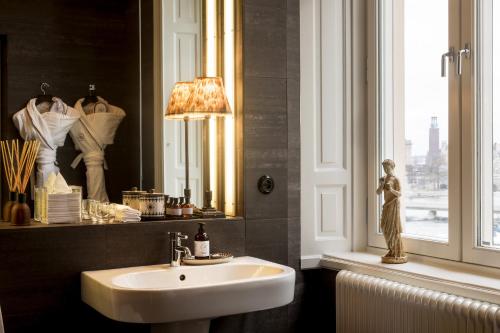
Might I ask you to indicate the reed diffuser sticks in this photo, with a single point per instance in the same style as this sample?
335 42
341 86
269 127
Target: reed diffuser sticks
18 163
8 166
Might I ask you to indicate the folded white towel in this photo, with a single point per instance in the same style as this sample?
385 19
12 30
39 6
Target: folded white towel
126 214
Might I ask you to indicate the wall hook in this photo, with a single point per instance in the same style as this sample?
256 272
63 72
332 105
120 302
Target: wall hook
44 86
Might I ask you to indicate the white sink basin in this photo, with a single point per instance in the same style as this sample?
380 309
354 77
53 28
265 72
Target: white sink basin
164 294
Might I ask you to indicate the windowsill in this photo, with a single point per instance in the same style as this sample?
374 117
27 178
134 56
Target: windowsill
467 280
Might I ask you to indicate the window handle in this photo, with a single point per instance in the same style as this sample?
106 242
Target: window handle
465 51
450 55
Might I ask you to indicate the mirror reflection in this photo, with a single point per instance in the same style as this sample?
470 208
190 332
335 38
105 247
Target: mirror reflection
192 49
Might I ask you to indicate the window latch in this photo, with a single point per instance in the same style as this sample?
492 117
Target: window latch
465 51
450 56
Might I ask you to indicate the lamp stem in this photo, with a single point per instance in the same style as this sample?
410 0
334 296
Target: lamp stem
187 191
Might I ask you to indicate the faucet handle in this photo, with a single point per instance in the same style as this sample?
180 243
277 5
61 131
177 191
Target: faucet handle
181 237
173 235
177 237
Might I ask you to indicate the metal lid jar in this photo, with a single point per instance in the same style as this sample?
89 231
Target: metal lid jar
152 205
132 198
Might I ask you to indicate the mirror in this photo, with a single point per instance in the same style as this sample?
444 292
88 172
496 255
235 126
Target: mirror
197 41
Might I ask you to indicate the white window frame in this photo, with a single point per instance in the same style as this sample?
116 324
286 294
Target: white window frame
465 211
361 214
476 176
447 250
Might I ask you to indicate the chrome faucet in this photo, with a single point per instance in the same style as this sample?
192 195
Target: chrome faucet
177 250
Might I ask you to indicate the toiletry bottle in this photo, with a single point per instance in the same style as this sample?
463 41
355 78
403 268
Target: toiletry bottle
181 201
187 209
168 207
176 208
167 199
201 243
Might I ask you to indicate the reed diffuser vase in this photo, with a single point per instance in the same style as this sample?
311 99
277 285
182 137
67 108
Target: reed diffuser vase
21 212
18 162
7 207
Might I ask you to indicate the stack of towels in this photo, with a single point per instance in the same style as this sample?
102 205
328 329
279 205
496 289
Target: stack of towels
60 205
127 214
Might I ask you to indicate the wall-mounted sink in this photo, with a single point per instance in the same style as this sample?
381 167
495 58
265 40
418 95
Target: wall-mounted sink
187 297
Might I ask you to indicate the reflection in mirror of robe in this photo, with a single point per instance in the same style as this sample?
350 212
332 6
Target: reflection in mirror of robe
91 134
50 127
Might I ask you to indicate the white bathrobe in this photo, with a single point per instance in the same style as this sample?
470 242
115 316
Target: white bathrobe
91 134
50 128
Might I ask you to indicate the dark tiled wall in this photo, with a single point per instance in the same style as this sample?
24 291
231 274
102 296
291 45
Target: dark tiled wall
272 144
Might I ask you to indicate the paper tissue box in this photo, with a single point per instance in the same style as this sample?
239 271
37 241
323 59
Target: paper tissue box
57 202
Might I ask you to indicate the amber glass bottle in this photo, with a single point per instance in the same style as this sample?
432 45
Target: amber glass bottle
168 206
201 243
187 210
176 208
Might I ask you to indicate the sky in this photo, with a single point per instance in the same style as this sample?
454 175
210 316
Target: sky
496 70
426 92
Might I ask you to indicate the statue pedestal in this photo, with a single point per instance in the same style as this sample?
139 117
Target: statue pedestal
395 260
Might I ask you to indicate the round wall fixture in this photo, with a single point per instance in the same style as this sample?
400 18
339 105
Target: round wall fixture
266 184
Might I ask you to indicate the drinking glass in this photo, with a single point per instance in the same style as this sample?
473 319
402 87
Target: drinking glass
103 212
112 212
40 197
86 209
93 210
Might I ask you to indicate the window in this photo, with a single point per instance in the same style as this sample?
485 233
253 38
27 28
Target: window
434 112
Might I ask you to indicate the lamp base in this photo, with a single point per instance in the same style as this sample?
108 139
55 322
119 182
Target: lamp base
209 212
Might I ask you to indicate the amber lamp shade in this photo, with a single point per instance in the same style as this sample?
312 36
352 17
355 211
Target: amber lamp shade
203 98
179 97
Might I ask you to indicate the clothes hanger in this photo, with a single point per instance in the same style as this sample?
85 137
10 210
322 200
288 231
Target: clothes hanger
44 97
91 97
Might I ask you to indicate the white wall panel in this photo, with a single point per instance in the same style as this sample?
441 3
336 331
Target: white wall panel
332 90
181 62
330 201
325 104
186 11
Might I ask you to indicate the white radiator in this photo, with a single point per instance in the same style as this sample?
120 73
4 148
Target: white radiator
373 305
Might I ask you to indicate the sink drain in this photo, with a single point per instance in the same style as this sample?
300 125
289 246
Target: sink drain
182 277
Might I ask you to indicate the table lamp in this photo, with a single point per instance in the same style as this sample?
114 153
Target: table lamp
201 99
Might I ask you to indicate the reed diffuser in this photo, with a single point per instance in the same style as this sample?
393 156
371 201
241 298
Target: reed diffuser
7 161
20 163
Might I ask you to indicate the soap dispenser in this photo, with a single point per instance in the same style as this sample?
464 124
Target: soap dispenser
201 243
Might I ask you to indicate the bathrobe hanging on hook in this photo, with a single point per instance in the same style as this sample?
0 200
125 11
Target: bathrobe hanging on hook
91 134
50 128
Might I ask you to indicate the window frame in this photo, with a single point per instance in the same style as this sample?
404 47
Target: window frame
471 139
452 248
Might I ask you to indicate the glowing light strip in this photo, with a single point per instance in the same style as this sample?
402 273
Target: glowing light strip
229 84
211 35
211 70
